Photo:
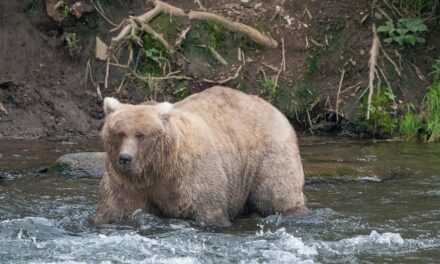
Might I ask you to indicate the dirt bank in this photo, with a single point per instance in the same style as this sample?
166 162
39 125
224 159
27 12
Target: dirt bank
42 71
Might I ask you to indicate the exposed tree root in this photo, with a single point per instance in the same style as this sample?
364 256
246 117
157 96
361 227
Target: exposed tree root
130 28
282 64
215 54
200 5
337 96
223 81
391 61
3 109
98 8
161 7
182 37
374 52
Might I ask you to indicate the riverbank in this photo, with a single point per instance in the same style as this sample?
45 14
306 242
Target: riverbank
51 84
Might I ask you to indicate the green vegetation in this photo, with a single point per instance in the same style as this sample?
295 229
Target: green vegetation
58 168
169 26
65 13
407 31
421 7
72 43
204 37
410 124
425 125
297 101
432 119
153 57
269 87
181 92
383 121
346 171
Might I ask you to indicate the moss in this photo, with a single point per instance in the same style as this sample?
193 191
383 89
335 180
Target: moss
346 171
169 26
58 168
207 34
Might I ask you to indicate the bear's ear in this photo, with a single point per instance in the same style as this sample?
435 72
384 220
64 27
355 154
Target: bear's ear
164 110
110 105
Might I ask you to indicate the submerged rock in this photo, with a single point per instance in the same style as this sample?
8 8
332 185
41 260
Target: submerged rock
81 165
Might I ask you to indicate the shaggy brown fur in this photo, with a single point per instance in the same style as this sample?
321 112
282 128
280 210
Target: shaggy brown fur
211 157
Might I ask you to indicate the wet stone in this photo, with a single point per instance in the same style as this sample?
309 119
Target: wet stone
81 165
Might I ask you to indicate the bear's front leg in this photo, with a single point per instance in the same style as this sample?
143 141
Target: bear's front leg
212 217
118 200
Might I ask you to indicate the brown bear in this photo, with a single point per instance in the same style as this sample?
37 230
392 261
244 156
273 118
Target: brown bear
212 157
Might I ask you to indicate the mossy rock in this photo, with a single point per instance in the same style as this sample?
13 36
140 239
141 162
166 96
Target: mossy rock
81 165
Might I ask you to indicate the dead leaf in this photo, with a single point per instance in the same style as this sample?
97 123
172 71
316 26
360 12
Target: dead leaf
101 49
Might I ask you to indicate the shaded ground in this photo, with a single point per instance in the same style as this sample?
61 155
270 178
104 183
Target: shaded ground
41 80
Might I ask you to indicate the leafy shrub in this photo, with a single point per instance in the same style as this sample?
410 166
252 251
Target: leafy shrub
407 31
382 122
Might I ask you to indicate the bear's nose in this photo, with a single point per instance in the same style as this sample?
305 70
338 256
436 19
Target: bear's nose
124 159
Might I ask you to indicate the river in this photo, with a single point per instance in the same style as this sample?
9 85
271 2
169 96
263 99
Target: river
383 205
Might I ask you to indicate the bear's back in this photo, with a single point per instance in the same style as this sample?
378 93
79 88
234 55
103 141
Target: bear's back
238 115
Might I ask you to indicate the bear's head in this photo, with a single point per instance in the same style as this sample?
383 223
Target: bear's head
137 138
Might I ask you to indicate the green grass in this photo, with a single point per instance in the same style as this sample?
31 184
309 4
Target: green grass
426 123
433 112
410 124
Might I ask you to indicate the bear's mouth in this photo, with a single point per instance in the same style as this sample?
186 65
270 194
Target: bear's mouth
125 168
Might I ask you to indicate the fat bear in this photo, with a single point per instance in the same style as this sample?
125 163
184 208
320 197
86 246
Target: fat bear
212 157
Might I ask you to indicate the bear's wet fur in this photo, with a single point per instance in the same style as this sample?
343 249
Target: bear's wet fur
210 158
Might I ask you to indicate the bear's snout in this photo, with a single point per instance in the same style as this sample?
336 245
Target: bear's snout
125 159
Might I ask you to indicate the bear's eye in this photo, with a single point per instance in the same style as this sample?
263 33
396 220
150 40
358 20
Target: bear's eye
120 134
139 135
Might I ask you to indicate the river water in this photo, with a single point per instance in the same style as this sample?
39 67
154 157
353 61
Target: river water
388 211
